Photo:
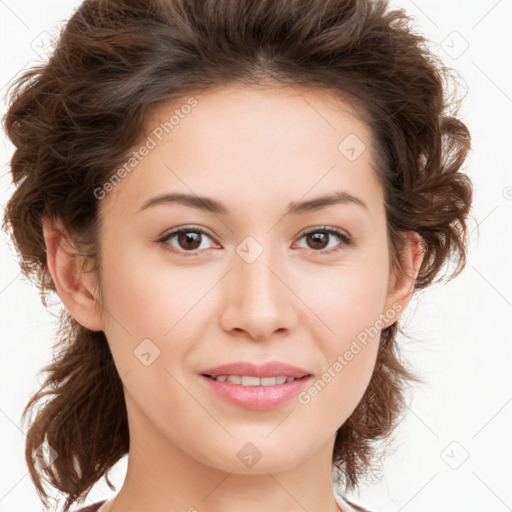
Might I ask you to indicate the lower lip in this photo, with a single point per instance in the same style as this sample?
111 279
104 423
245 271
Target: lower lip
257 397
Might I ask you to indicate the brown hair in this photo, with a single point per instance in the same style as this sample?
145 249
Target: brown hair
74 119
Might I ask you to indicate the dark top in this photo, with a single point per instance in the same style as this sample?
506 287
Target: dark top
98 504
356 507
91 508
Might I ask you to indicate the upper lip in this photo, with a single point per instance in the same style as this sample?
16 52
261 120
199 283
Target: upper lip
270 369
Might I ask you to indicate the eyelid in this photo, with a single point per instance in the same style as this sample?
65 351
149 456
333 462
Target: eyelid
191 227
331 229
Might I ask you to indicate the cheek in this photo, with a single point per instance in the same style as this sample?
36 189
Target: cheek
338 390
349 357
351 309
153 308
137 304
149 325
149 298
348 301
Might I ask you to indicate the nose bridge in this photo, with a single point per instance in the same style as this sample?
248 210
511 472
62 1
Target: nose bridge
257 301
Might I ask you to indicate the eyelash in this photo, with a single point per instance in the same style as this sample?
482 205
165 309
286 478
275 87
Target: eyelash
345 239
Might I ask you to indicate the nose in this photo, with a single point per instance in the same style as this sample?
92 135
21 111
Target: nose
257 301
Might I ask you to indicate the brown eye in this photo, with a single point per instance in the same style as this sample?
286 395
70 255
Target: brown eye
185 240
319 239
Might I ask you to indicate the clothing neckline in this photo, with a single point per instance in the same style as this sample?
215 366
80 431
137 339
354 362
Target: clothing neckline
344 505
106 505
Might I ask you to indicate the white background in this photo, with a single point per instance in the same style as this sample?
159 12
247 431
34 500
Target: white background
460 331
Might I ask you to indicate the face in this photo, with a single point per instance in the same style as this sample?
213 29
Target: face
268 281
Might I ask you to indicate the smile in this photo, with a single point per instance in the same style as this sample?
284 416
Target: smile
255 392
250 380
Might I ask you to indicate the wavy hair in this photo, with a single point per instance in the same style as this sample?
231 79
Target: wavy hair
74 119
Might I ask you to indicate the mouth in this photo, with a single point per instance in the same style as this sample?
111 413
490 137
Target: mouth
246 370
256 387
251 380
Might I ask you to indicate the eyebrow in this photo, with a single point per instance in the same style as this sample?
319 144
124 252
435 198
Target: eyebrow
294 208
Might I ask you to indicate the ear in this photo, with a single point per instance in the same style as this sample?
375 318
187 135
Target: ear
401 282
74 285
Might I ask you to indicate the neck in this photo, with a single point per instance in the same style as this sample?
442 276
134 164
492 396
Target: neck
162 477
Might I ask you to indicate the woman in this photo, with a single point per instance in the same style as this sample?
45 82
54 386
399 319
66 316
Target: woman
235 202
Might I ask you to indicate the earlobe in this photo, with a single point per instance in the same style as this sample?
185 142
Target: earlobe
73 284
401 282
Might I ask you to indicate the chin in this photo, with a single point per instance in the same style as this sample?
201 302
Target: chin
260 456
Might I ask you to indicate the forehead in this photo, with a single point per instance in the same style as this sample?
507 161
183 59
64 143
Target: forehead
264 116
239 141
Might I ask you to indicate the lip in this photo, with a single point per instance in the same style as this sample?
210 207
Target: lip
270 369
257 397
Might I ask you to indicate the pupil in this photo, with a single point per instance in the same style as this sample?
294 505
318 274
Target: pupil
318 240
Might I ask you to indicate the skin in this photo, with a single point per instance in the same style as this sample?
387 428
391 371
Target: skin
256 151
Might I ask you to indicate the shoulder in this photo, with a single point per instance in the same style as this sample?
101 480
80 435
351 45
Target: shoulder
91 508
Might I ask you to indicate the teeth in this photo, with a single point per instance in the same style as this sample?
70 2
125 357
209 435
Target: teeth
249 380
